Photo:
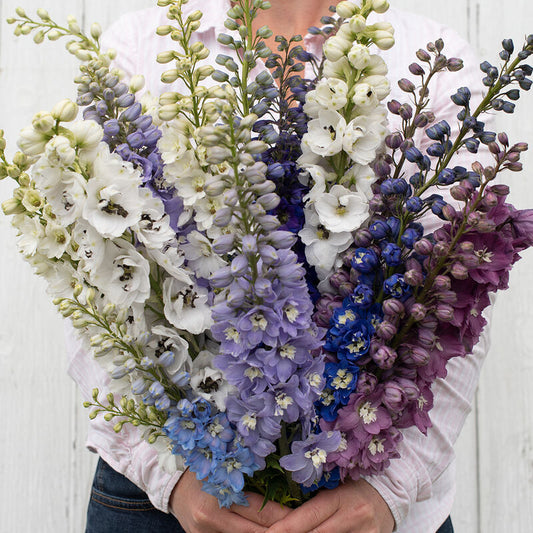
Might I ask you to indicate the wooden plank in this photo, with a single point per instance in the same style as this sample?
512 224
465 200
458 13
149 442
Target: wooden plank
506 396
34 389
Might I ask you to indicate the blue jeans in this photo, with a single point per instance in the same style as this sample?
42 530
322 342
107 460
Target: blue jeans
119 506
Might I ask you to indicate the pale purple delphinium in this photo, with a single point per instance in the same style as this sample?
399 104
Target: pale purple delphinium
308 457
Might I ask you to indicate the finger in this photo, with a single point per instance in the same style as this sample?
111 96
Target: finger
307 517
231 523
266 516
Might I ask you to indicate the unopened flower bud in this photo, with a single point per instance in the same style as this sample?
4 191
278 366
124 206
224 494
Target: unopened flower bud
384 357
366 383
386 330
444 312
415 278
346 9
65 111
423 247
96 30
394 397
414 355
393 307
380 6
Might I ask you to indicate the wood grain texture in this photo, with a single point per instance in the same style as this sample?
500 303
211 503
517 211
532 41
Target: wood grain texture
44 465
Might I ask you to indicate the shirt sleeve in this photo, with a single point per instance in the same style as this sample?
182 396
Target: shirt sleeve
423 459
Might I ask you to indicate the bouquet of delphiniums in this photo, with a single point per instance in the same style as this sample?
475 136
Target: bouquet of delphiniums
247 256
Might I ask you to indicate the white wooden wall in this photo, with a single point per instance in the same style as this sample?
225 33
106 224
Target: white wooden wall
44 469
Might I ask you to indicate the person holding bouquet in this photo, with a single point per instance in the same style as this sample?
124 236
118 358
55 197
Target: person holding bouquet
414 494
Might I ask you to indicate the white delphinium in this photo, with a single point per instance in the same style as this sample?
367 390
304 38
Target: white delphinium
322 246
171 257
90 246
61 278
208 382
205 211
123 274
47 176
325 133
55 240
67 197
32 142
163 340
341 209
364 135
86 137
186 165
331 93
114 202
174 141
360 178
320 178
153 228
191 186
186 306
30 233
59 152
200 256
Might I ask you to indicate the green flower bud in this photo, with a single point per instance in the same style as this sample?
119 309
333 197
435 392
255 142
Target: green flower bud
170 76
21 160
38 38
43 15
169 112
264 32
110 398
83 55
197 47
380 6
256 147
3 171
194 26
109 310
203 54
11 20
195 16
205 71
13 207
13 171
108 417
165 57
65 111
78 289
346 9
43 122
73 26
25 29
95 394
53 35
137 83
90 295
93 414
24 179
96 31
20 12
164 30
2 144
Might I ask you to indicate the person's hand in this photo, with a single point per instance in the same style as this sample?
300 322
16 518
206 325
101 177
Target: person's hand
199 512
353 507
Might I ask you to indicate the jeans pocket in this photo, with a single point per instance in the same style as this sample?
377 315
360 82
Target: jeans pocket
116 491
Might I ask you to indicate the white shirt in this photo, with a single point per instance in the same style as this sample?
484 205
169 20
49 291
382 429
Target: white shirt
419 487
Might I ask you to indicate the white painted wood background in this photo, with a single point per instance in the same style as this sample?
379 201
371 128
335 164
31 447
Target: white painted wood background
45 472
